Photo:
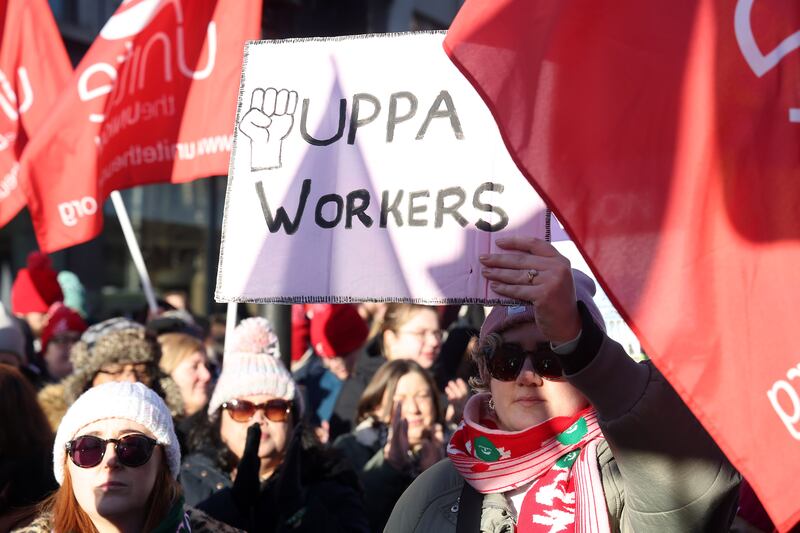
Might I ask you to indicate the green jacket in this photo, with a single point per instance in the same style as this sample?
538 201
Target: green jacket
661 471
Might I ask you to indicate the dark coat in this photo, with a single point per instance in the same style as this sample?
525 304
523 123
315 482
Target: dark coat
207 461
198 521
344 414
383 484
359 446
313 490
200 478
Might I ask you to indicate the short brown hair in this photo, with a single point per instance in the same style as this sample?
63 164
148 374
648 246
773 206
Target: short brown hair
481 351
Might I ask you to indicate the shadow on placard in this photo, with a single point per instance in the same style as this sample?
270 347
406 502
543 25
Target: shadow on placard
321 255
474 243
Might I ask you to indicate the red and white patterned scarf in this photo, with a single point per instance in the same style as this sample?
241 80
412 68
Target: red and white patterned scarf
559 458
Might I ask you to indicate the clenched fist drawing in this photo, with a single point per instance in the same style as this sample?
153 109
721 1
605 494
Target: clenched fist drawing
267 123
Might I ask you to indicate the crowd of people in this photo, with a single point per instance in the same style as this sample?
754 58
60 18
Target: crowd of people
394 417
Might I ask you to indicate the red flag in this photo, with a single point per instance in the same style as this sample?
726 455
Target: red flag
665 136
153 100
33 68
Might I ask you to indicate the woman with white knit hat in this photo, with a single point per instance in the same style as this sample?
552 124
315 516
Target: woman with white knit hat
117 460
259 465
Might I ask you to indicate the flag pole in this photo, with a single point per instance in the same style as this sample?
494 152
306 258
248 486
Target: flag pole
230 324
136 252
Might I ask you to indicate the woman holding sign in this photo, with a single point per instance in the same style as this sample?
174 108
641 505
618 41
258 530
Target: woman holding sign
567 432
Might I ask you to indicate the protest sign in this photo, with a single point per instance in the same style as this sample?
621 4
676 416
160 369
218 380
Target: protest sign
679 124
33 69
365 168
152 101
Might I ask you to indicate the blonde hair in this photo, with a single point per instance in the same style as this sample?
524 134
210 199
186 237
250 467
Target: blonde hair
396 316
175 347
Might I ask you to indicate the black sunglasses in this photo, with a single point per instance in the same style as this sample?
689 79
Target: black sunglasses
506 361
276 410
132 450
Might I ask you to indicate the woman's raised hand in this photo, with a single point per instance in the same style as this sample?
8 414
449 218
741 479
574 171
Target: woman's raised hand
457 392
397 450
532 270
431 450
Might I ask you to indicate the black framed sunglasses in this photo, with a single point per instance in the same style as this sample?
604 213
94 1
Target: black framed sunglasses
506 361
132 450
276 410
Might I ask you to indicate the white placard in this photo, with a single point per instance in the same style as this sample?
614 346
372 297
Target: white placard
365 168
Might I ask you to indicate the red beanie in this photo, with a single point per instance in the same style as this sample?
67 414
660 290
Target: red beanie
61 319
300 331
36 287
337 330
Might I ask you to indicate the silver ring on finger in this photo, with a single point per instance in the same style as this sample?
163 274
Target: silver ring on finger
532 273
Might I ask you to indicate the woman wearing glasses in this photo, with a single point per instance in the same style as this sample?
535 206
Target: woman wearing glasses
116 349
256 465
117 458
411 332
567 432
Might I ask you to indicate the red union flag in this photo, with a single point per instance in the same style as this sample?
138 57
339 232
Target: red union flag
153 100
33 68
666 138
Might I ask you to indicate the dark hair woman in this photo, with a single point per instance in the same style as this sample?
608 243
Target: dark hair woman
411 331
25 445
400 433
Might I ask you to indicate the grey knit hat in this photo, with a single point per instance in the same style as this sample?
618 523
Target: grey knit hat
118 341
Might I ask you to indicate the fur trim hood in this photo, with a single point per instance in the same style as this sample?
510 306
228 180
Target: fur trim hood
118 341
51 399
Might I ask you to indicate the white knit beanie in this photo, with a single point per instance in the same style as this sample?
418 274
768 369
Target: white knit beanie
129 401
252 366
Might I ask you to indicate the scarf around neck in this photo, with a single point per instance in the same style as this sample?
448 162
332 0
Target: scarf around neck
176 521
557 457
